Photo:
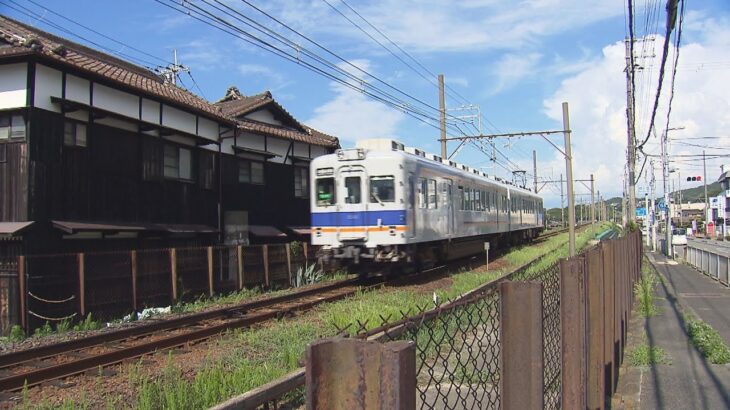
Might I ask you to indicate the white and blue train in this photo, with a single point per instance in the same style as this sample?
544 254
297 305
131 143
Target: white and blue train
383 202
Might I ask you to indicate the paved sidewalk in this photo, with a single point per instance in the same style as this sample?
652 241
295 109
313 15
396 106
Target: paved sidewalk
689 381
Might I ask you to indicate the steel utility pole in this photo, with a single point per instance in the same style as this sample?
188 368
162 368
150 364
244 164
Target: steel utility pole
569 176
667 212
442 109
534 169
704 177
593 204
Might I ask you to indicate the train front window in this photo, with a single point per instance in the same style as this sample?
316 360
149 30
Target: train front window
352 190
382 189
325 191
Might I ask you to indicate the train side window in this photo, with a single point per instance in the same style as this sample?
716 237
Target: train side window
468 199
422 193
382 189
352 190
460 198
325 191
432 195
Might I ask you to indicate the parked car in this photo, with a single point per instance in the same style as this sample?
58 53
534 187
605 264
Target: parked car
679 236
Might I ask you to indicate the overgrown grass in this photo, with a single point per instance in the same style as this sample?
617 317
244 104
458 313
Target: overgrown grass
707 340
644 291
645 355
257 356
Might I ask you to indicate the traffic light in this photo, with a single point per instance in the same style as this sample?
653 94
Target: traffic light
697 178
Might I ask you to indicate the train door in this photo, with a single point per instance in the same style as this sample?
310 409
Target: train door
450 219
352 204
412 204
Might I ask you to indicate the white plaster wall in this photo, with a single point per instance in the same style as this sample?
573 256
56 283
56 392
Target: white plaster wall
117 123
13 85
227 146
263 116
207 128
318 151
180 139
177 119
81 115
77 89
301 149
252 141
48 83
116 101
277 146
150 111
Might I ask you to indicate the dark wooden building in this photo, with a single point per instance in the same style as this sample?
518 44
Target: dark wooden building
97 153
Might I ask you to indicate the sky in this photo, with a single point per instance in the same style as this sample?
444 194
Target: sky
517 61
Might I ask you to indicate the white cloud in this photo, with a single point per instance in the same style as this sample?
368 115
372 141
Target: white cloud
598 101
351 115
435 25
512 68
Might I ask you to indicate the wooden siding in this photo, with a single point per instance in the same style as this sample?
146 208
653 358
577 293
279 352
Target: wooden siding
103 181
13 181
270 204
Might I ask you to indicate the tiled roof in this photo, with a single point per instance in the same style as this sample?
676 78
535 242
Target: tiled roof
18 39
311 136
22 39
238 105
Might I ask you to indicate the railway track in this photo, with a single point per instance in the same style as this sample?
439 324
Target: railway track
45 363
41 364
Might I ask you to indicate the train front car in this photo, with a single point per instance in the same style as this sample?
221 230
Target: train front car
358 204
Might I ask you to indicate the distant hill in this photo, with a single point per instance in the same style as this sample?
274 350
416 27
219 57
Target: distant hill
696 194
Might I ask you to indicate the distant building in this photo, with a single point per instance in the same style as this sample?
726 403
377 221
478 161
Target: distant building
719 211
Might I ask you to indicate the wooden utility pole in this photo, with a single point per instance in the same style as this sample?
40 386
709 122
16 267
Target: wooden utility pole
442 111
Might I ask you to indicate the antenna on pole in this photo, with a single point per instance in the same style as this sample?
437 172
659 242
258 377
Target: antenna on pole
170 72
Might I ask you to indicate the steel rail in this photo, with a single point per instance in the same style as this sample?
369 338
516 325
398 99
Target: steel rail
120 352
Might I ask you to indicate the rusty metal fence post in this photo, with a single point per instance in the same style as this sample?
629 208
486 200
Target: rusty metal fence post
352 374
573 332
610 346
239 259
596 328
133 265
209 253
173 274
265 252
82 285
522 345
22 293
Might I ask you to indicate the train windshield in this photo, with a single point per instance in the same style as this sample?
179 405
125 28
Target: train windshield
352 189
382 189
325 191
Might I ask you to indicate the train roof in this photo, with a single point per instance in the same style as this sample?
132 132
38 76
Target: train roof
389 145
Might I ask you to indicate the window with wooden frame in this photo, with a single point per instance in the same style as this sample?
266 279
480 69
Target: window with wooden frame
12 126
74 134
250 172
177 162
301 182
206 169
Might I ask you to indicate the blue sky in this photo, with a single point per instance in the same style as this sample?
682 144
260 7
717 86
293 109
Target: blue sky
517 60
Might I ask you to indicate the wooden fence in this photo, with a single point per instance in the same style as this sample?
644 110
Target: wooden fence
50 288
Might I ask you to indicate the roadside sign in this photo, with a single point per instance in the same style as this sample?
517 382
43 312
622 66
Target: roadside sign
641 212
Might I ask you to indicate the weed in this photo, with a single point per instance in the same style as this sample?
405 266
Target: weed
707 340
88 323
64 325
644 290
44 330
307 276
17 334
644 355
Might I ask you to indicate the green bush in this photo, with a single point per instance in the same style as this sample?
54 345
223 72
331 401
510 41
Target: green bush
17 334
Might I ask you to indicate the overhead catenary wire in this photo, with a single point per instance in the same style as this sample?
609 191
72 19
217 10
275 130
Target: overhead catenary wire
221 24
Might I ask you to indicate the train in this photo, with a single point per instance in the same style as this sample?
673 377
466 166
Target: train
384 203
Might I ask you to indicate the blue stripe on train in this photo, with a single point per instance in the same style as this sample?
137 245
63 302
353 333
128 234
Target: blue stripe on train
361 218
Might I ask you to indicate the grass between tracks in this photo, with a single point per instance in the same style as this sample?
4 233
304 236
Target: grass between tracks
254 357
